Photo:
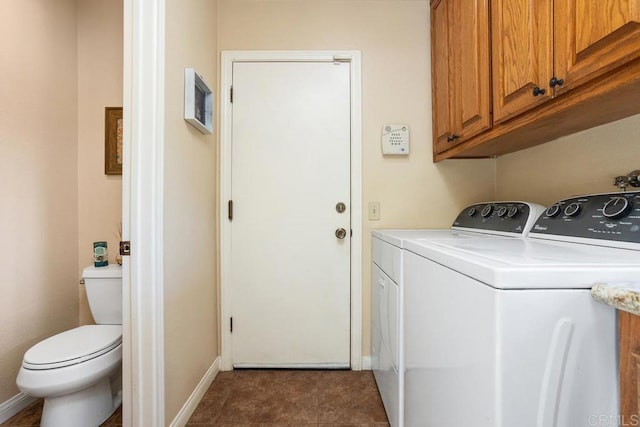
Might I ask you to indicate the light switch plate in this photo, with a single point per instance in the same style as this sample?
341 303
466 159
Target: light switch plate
374 211
395 139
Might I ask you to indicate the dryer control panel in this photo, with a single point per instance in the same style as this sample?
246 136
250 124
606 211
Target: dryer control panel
503 217
601 218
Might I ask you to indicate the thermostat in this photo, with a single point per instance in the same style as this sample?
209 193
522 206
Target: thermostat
395 139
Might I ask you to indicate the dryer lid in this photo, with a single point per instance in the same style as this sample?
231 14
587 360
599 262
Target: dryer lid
73 346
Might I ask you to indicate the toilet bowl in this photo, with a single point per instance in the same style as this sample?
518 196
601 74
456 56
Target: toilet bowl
78 372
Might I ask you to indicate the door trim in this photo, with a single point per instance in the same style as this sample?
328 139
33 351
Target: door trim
226 124
142 214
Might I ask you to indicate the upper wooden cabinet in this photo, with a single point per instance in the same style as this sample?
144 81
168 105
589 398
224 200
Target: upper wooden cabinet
592 37
530 72
460 72
542 48
522 55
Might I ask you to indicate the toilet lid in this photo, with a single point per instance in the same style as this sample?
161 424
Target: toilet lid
73 347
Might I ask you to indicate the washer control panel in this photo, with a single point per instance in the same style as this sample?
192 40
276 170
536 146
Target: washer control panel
504 217
611 217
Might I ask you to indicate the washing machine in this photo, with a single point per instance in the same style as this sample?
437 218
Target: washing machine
504 332
489 220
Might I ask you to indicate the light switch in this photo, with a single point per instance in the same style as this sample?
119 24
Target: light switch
374 211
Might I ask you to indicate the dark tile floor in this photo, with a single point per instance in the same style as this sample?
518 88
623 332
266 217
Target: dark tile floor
291 398
273 399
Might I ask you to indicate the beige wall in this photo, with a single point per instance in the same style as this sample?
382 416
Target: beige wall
190 312
38 202
393 37
100 44
582 163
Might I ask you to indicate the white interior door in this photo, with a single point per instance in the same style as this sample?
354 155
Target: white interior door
290 273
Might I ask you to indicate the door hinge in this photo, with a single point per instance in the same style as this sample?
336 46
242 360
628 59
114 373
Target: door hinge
351 233
230 210
338 59
125 248
231 94
231 324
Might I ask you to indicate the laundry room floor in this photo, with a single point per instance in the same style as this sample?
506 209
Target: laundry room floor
274 398
285 398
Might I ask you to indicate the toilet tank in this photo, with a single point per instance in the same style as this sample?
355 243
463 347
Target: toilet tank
104 292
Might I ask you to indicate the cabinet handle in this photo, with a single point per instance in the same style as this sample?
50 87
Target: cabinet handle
538 91
555 82
452 137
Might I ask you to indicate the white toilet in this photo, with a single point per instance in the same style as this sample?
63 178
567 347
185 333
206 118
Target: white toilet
78 372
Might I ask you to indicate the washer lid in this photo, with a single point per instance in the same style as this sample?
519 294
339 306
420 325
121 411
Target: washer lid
73 346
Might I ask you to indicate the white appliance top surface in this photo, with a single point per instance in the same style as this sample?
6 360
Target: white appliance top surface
398 237
508 263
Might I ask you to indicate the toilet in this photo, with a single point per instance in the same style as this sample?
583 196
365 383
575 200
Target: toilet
78 372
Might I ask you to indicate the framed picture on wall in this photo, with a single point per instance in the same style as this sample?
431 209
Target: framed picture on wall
198 102
113 140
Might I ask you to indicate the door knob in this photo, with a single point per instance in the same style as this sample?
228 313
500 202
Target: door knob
341 233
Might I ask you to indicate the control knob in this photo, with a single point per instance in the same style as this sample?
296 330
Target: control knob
513 212
486 211
572 209
552 211
617 207
472 211
502 211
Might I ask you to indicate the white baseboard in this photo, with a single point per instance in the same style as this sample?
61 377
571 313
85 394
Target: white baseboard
366 363
190 405
14 405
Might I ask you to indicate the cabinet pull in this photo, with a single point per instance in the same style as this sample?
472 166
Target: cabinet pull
539 91
452 137
555 82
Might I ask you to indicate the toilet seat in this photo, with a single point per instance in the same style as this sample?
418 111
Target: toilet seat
73 347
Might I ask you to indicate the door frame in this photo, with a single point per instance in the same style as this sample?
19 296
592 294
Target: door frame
143 398
226 125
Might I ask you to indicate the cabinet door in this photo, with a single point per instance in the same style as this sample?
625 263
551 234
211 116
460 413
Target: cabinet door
460 70
472 108
593 37
441 79
522 55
